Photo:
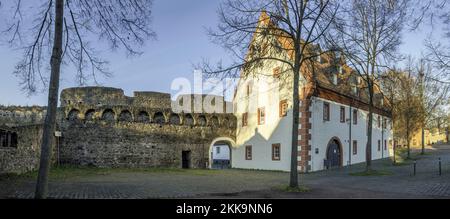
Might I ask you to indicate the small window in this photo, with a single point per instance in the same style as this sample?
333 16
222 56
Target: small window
3 138
283 108
217 150
276 72
276 149
384 123
261 116
355 117
385 145
249 89
379 121
355 147
326 112
8 139
14 140
355 89
379 145
342 114
244 119
248 152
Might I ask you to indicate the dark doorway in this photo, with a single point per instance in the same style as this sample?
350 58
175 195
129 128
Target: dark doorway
186 159
333 154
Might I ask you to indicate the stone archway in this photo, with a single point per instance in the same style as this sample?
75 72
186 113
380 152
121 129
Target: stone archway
73 115
334 154
221 141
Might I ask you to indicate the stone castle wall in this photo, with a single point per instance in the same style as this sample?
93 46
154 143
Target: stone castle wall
22 115
20 138
105 128
25 156
102 127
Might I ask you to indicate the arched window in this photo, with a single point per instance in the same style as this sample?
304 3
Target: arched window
73 115
175 119
143 117
214 121
226 122
188 120
159 118
89 116
108 115
201 120
125 116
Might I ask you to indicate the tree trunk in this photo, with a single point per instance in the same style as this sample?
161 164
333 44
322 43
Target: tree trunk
50 119
295 114
369 131
423 141
407 138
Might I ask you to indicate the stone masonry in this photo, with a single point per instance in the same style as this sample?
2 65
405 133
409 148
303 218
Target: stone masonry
102 127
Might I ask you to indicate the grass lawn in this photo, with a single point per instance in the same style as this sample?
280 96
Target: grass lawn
289 189
401 157
65 172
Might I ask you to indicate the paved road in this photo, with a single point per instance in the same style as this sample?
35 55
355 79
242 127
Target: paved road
253 184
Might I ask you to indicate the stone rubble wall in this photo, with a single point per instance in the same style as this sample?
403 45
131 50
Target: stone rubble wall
102 127
26 156
105 128
124 144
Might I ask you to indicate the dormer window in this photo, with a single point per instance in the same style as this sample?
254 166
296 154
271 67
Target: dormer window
318 57
354 89
335 79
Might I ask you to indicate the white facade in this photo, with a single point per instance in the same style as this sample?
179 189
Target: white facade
266 93
323 131
221 152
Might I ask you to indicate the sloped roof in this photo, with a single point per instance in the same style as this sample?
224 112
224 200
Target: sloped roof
322 73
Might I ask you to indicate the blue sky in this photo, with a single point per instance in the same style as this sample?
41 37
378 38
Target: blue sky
181 42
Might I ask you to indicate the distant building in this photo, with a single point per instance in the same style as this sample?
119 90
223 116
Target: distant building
221 156
434 136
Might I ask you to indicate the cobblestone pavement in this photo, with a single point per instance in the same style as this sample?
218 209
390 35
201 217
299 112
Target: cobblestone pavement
338 183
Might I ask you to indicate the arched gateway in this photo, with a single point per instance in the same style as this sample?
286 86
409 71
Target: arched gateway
334 154
220 153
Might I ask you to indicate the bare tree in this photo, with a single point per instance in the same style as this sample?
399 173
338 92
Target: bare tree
389 82
283 31
435 13
433 94
410 106
369 32
61 32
